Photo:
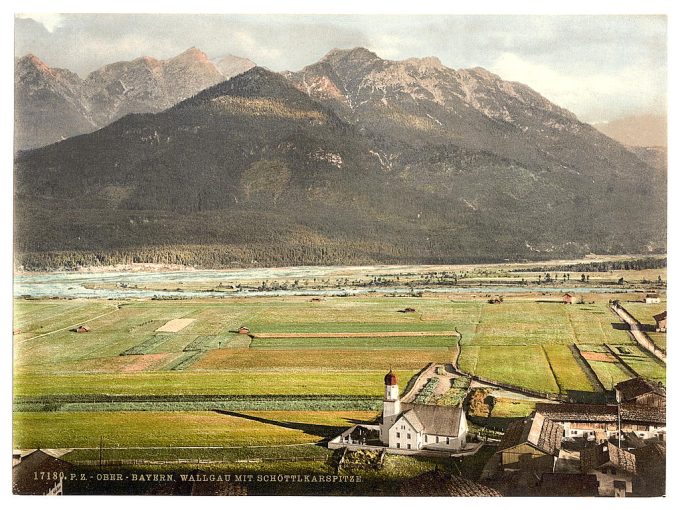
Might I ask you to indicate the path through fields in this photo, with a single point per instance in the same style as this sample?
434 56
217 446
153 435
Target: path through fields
637 333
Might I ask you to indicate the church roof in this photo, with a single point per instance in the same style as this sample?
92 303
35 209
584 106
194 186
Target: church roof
437 420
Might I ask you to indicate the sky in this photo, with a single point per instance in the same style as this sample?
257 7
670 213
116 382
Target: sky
599 67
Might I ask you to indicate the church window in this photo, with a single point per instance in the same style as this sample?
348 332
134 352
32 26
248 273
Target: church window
408 436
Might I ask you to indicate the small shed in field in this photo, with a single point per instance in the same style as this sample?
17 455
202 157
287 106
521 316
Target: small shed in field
83 329
568 299
660 322
244 330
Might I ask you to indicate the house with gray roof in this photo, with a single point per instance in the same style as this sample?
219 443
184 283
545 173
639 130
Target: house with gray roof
614 468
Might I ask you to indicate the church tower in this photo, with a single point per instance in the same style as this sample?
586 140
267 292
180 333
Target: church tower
391 406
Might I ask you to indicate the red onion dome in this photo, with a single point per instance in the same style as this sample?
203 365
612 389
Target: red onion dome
390 378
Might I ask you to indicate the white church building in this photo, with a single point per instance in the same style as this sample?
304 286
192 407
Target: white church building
407 426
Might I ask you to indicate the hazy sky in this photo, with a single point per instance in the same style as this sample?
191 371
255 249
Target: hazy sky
599 67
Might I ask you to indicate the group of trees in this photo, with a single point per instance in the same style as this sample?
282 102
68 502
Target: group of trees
601 266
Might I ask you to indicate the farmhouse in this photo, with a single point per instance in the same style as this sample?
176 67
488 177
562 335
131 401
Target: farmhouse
83 329
568 299
360 435
418 426
652 298
660 322
613 467
601 422
531 444
642 392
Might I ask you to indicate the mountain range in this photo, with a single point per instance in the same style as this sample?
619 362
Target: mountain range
352 160
53 104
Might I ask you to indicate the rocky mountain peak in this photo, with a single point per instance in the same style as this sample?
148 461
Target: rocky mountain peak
191 54
30 61
357 55
425 62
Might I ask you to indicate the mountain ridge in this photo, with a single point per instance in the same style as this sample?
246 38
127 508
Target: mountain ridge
258 169
142 85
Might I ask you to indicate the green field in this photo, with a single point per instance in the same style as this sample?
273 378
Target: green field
640 362
120 379
141 429
527 343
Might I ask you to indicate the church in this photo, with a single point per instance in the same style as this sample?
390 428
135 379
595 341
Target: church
408 426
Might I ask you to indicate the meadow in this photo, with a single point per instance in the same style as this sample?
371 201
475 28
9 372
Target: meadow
296 377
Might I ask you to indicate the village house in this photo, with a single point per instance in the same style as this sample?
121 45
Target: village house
614 468
660 322
641 392
529 448
652 298
418 426
82 329
360 435
25 467
599 423
244 330
568 299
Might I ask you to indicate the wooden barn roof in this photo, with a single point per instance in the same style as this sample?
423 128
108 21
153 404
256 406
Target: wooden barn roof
596 413
633 413
438 483
607 453
578 412
660 316
633 388
536 430
438 420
